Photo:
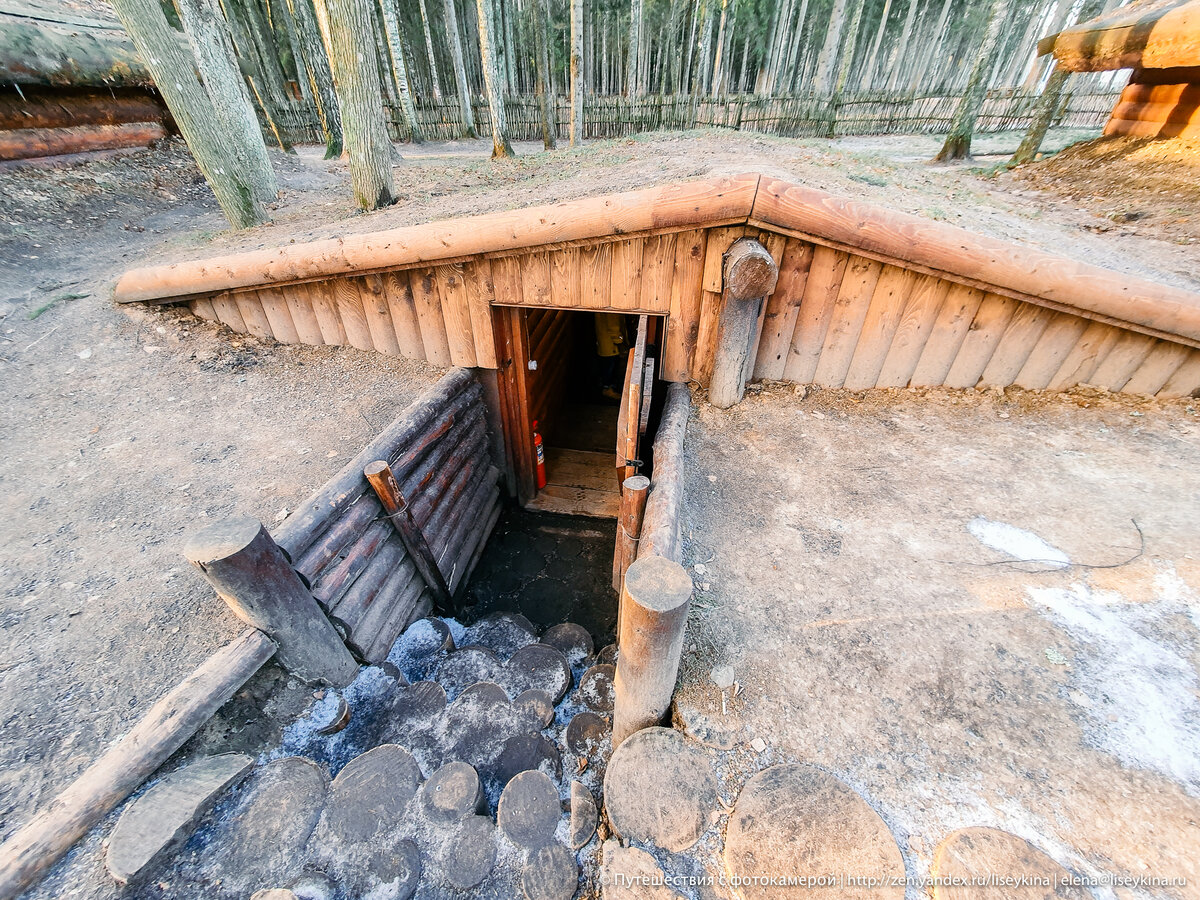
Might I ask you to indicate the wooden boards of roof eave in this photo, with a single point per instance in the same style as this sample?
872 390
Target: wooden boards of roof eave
1035 276
1161 34
691 204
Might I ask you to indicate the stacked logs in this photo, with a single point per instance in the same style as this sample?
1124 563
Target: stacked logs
1162 103
344 545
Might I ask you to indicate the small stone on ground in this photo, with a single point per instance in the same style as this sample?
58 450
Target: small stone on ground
583 815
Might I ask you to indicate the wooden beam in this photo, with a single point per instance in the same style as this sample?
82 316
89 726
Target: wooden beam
655 600
898 237
379 473
750 274
683 205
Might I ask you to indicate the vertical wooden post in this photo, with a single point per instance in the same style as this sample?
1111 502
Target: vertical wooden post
629 525
250 573
654 601
750 275
379 474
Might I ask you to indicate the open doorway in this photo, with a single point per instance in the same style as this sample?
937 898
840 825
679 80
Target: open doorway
587 380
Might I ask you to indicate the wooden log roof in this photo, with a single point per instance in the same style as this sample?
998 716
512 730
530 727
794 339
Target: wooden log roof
1148 34
51 42
759 201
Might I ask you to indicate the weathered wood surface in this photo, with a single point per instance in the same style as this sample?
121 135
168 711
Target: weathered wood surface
251 574
37 845
750 274
1152 36
380 475
902 238
360 567
31 143
1162 104
655 599
57 48
629 525
660 522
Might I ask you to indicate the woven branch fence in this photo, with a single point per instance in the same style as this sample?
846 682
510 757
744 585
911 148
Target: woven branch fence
804 115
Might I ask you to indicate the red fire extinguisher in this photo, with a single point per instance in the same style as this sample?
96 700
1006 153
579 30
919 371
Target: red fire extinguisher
541 456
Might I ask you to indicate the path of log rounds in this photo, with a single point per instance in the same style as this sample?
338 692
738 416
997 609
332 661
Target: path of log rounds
459 773
476 768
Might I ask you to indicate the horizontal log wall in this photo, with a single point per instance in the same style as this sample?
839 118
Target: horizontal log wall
1162 103
841 320
352 556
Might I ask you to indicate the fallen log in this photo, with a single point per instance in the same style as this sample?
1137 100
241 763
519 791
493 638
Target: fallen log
37 845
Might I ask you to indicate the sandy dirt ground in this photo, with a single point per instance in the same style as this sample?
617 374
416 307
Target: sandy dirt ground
123 429
840 544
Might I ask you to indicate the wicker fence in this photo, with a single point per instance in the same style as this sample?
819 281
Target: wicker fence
878 112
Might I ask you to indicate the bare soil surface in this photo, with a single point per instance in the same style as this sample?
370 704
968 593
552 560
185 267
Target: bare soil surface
124 429
839 543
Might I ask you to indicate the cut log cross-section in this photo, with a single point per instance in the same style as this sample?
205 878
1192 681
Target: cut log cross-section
750 274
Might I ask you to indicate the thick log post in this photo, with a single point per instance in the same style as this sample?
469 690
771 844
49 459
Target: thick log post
379 474
750 275
654 602
251 574
165 728
629 525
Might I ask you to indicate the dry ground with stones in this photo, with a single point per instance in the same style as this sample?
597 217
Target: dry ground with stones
125 428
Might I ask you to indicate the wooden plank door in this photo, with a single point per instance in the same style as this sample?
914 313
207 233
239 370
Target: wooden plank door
629 419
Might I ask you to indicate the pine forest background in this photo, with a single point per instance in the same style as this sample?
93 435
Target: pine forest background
788 67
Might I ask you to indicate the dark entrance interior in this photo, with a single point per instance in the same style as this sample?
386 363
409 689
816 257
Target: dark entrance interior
551 554
592 406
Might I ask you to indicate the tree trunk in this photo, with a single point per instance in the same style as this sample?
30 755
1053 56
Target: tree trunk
360 97
213 47
173 71
260 49
541 40
395 48
790 63
901 55
433 69
316 64
823 80
958 141
1047 103
460 70
491 80
936 48
868 73
850 46
718 71
634 56
576 72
